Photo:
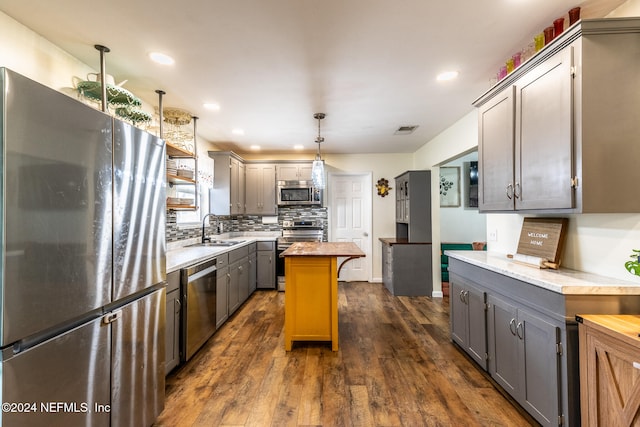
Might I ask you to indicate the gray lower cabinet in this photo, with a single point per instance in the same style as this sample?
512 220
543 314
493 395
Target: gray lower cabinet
239 278
525 358
266 269
407 268
519 334
468 319
253 268
530 334
172 338
222 289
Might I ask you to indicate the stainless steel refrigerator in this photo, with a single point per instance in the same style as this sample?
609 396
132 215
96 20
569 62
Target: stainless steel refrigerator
82 259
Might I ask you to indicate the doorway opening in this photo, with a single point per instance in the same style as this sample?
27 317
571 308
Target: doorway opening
461 225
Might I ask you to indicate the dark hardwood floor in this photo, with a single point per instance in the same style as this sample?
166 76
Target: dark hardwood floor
396 367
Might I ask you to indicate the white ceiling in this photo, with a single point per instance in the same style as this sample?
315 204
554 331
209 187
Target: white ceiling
370 65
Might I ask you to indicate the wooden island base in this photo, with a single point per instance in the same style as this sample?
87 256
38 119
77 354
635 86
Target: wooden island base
311 291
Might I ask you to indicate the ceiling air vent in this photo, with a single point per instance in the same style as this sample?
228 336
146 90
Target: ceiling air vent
405 130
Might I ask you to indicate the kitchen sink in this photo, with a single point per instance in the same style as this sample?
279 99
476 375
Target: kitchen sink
222 243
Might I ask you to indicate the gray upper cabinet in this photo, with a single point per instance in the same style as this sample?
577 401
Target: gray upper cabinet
293 171
261 189
543 166
495 152
559 133
526 141
228 193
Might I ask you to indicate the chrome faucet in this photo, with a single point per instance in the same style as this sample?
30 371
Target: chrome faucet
204 220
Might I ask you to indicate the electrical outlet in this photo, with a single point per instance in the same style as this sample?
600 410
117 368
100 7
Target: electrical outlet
493 235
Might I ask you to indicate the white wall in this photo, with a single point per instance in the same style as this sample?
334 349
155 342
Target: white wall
28 53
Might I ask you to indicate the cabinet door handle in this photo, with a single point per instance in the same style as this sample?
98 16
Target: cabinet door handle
512 326
509 191
516 191
520 330
461 295
466 297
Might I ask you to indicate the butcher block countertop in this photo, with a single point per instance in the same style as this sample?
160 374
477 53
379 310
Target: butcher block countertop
324 249
627 326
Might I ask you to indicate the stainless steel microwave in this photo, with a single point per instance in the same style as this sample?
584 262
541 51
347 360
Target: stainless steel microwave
298 193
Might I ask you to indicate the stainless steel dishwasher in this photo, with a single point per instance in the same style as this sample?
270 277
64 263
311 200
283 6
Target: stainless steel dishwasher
199 306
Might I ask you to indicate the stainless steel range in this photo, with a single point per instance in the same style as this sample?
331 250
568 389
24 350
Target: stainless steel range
303 230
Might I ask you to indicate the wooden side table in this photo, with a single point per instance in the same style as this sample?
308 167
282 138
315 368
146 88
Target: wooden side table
609 370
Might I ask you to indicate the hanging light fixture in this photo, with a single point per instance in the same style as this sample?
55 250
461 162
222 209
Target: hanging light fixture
317 169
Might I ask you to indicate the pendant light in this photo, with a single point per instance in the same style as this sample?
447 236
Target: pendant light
317 169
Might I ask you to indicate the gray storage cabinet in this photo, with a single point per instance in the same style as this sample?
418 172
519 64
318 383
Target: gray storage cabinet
406 259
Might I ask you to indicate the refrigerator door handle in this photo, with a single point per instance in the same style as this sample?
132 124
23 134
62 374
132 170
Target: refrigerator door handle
112 317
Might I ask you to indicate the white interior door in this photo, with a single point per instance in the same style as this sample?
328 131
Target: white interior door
350 220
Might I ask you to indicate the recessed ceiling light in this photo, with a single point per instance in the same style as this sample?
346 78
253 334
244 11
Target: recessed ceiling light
298 147
255 147
161 58
237 132
211 106
447 75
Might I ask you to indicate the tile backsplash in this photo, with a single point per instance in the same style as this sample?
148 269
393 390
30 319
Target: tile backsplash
245 222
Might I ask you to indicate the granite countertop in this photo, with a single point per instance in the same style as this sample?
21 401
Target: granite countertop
180 254
324 249
394 241
563 281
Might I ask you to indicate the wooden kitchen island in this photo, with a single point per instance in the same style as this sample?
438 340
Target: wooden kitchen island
311 295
